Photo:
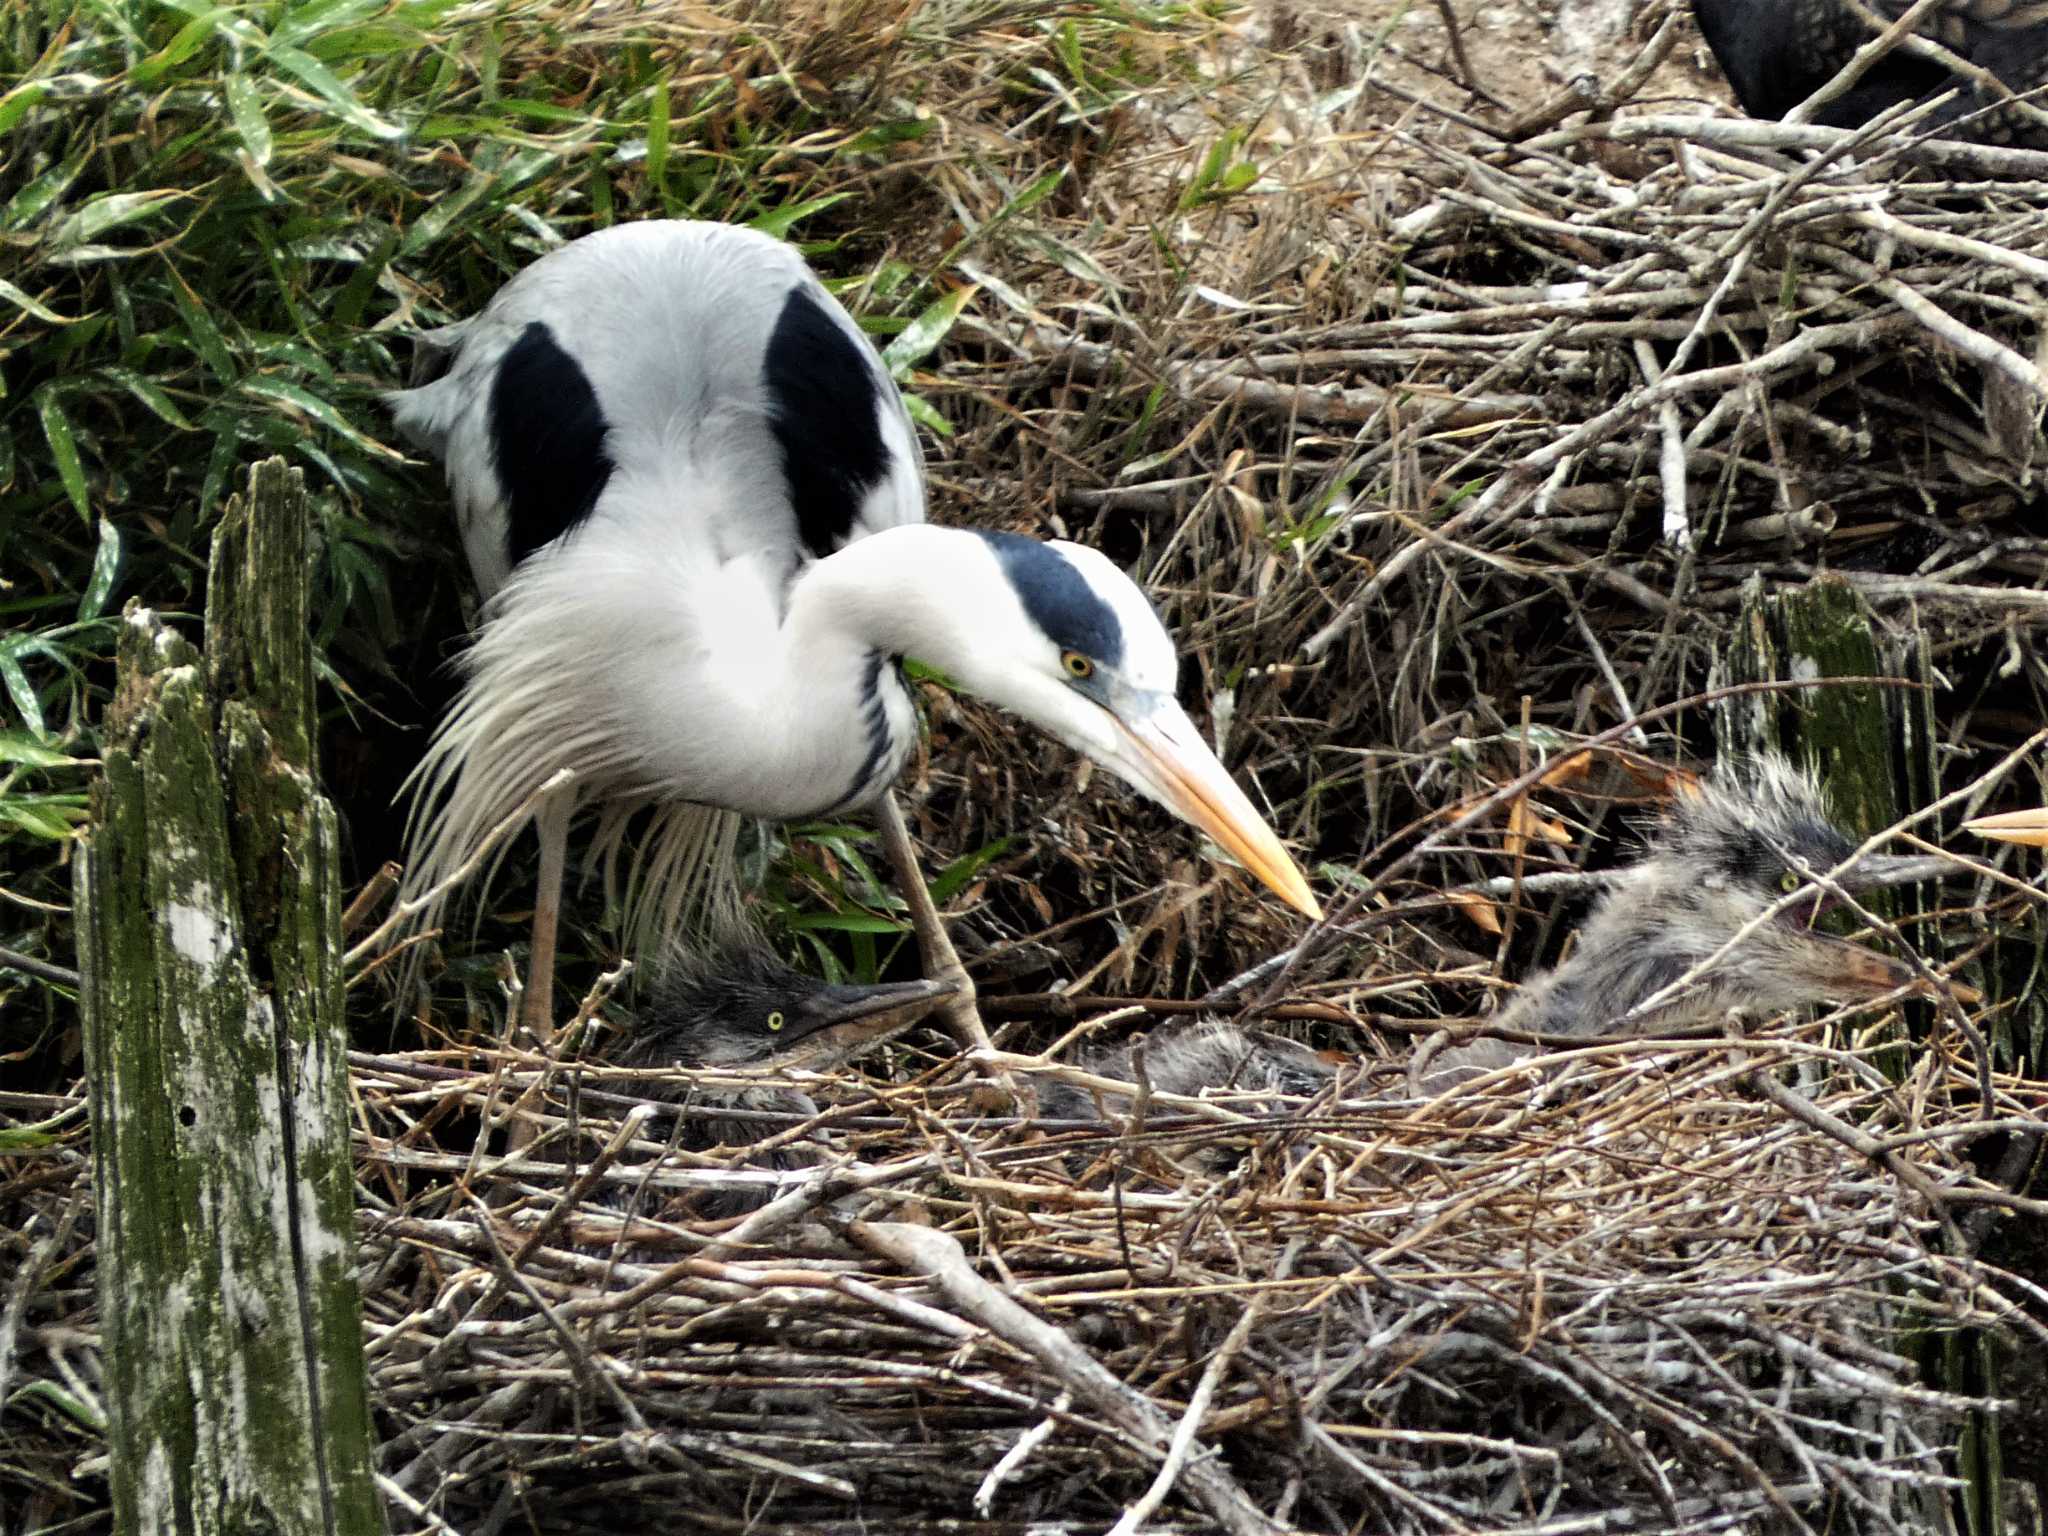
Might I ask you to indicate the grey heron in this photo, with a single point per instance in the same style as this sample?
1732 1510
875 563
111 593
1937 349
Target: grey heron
1718 914
693 501
1776 53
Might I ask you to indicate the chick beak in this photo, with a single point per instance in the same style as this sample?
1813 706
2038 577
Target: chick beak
1162 753
1853 972
1849 970
856 1014
1875 870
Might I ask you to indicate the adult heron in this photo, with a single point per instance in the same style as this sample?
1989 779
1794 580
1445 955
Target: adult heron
1776 53
692 499
2028 828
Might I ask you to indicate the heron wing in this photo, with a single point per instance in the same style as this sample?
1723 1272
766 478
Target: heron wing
703 362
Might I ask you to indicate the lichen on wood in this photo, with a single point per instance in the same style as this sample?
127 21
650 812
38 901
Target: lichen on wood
209 924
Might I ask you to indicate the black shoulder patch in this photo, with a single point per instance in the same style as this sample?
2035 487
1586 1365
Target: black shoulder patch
547 441
826 412
1059 599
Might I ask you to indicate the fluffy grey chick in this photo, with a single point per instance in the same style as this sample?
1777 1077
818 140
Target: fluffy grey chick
1722 859
1776 53
746 1008
1208 1055
1202 1057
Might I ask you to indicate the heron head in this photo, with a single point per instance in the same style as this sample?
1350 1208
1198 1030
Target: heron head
1753 861
1078 650
746 1008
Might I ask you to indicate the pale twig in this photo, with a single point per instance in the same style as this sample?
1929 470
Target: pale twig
938 1257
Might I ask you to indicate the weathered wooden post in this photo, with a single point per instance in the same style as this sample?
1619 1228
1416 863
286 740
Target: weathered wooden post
1820 630
209 942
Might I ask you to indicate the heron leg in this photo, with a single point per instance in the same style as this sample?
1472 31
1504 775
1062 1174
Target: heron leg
537 1002
941 960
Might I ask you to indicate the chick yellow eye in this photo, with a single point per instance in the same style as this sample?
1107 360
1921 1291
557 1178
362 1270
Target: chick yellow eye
1077 665
1788 882
774 1021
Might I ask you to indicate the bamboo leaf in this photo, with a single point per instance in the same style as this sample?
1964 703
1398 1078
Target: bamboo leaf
322 412
18 103
24 751
926 415
20 300
18 689
780 221
657 134
245 107
325 84
110 211
64 449
106 569
921 337
845 922
40 816
151 394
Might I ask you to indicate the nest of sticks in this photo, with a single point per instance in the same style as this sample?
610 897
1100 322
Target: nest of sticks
1674 1286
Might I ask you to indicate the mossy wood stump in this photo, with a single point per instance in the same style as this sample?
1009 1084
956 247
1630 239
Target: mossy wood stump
1855 735
209 941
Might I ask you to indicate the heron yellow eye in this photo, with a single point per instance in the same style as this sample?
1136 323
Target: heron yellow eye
1077 665
1788 882
774 1021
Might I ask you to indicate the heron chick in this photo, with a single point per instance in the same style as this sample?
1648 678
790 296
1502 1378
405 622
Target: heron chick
745 1009
1718 914
748 1008
692 498
1776 53
1206 1055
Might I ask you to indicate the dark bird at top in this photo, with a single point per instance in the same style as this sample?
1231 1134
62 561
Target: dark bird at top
1718 914
692 498
1776 53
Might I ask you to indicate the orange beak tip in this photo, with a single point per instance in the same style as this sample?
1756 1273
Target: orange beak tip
2028 828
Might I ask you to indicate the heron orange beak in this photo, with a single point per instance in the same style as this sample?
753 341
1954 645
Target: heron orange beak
1169 760
2026 827
1853 972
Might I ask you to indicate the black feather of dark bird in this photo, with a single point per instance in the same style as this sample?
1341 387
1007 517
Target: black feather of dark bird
1776 53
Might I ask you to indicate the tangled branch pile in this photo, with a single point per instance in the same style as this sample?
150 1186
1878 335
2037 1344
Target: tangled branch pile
1640 1297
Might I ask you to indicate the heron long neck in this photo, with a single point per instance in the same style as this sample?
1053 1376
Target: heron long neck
808 715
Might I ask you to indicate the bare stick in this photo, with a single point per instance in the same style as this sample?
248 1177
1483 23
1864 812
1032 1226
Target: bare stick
939 1258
